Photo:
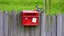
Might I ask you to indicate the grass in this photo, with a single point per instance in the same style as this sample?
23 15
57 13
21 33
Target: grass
56 5
19 4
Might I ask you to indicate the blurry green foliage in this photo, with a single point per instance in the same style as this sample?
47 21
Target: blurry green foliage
56 5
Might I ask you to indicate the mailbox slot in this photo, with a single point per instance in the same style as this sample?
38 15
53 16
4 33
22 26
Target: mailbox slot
30 14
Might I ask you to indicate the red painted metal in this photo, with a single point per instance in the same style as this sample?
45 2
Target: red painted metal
30 18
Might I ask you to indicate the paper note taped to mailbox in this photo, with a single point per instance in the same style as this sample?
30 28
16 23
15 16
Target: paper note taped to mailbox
34 20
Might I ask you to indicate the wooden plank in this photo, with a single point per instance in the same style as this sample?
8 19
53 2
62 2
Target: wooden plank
37 28
9 25
31 31
26 31
63 26
1 23
48 24
43 23
54 25
5 23
20 27
59 24
12 27
14 23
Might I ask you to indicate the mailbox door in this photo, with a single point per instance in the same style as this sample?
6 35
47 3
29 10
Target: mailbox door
30 21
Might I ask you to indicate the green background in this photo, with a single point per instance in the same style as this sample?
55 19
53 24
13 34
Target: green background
56 5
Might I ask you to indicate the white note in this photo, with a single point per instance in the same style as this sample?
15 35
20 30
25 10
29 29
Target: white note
34 20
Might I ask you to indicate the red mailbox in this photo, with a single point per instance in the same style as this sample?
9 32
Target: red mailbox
29 18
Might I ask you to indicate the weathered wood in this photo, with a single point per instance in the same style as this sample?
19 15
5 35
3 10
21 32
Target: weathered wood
37 28
18 24
26 31
1 23
9 24
63 26
5 23
59 24
14 23
43 22
48 24
20 27
31 31
54 25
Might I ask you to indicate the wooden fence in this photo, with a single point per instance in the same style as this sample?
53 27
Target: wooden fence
10 25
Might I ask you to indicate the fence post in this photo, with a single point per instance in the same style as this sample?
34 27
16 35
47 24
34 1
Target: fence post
20 27
1 23
38 28
11 24
43 23
14 23
59 24
63 26
54 25
48 25
31 31
5 23
26 31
